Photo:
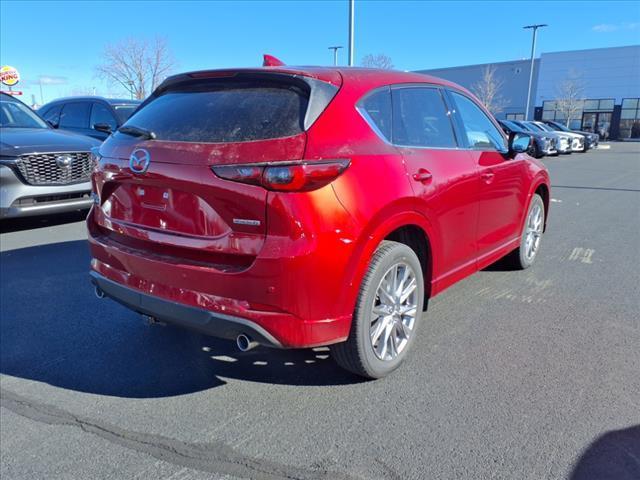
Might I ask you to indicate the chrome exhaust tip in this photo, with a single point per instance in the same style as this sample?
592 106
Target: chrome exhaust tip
98 291
245 343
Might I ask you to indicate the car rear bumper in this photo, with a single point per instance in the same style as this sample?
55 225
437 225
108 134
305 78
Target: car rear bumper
295 289
214 324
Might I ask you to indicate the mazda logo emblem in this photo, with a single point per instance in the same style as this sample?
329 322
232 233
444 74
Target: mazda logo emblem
139 160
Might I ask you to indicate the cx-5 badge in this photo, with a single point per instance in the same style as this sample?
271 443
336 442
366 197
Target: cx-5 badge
139 160
246 221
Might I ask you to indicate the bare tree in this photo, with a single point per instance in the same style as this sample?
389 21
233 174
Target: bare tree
570 98
487 89
137 65
377 61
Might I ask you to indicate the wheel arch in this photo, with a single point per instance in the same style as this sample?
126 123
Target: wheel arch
410 228
417 240
542 189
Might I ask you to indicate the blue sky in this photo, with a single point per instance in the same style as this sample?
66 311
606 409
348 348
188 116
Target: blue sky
62 41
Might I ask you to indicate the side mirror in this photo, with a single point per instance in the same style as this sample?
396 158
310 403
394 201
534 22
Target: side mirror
53 125
520 143
102 127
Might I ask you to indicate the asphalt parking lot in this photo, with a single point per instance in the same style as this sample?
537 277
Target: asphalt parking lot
515 375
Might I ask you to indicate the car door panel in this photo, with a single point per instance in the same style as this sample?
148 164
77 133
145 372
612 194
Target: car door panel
501 179
501 182
443 177
449 198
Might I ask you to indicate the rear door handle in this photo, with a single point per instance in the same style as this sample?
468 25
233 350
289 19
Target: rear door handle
422 175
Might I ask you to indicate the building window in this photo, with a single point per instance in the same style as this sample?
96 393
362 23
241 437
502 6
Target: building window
606 104
551 110
515 116
630 118
599 105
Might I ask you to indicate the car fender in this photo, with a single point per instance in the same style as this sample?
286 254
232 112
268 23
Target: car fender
541 178
370 238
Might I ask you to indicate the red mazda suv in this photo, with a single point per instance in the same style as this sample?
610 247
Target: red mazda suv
300 207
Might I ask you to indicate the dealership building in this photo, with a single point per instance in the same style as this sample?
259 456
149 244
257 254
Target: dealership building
608 80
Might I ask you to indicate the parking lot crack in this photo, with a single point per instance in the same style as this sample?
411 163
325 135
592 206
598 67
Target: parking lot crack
213 457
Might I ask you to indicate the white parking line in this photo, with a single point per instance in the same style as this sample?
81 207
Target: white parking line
582 254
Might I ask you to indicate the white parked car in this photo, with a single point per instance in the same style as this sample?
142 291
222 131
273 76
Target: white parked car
563 141
577 140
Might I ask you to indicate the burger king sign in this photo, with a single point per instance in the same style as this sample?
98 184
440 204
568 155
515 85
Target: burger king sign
9 76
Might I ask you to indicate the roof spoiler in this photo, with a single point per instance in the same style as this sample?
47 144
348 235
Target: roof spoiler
271 61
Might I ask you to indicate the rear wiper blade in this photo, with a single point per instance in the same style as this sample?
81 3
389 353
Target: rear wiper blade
137 132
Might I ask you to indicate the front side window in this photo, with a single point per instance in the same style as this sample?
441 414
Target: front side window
123 112
100 113
420 118
52 114
75 115
482 134
377 106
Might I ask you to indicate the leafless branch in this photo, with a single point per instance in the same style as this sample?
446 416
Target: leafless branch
377 61
488 90
570 98
137 65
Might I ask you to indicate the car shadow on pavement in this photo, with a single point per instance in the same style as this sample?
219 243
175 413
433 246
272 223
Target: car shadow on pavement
53 329
612 456
28 223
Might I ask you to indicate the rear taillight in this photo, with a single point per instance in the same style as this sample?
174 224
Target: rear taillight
286 177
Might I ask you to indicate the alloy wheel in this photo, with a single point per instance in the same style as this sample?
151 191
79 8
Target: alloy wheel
394 310
533 231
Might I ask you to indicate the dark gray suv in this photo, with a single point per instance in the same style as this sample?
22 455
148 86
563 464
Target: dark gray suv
96 117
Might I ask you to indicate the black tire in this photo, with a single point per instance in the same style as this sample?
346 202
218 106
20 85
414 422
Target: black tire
357 353
535 151
518 259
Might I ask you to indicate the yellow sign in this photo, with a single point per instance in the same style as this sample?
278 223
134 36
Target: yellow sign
9 75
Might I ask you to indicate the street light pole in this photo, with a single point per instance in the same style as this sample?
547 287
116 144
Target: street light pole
335 54
533 52
351 24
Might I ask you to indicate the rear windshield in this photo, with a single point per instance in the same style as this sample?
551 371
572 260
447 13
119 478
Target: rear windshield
229 110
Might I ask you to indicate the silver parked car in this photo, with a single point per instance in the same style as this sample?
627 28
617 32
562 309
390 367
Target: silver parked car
563 141
577 140
42 170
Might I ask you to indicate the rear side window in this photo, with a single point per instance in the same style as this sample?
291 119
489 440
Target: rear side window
420 118
75 115
482 134
225 111
377 108
52 114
